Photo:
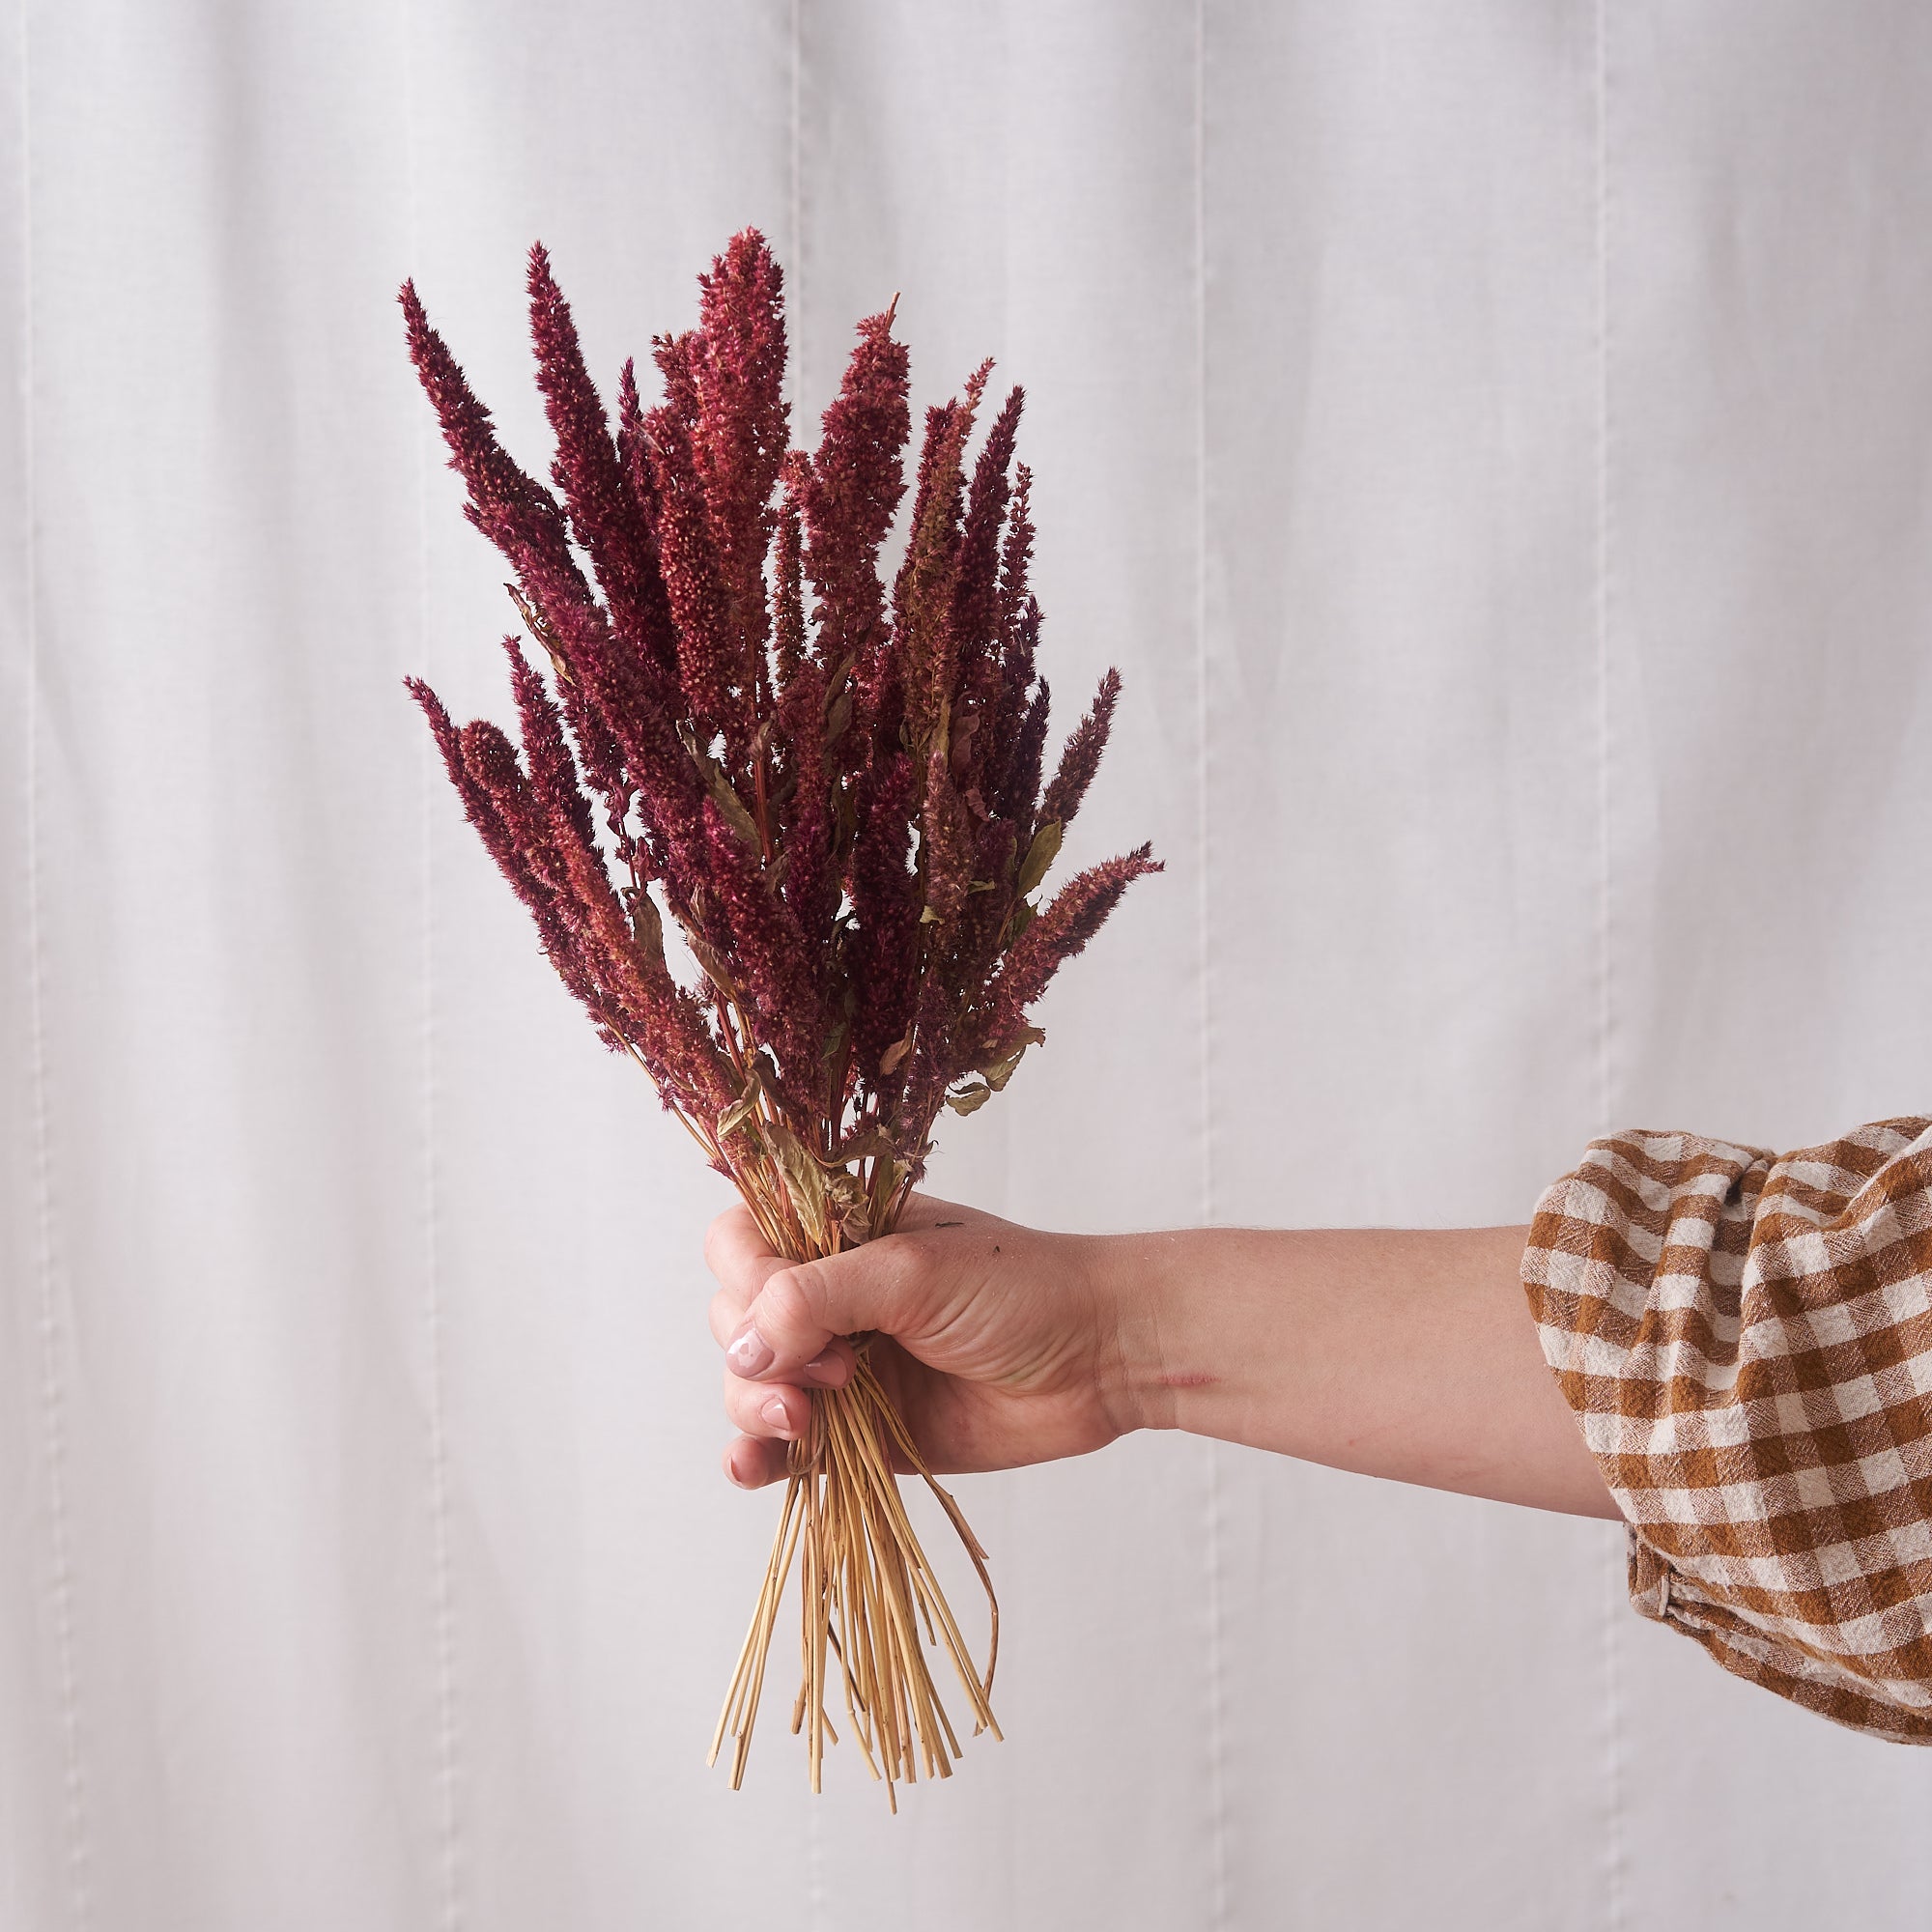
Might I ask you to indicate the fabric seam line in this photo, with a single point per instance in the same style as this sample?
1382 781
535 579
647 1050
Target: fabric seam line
441 1591
1217 1737
76 1857
796 373
1615 1853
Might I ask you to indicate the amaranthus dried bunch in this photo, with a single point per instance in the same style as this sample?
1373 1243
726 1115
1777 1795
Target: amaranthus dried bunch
838 798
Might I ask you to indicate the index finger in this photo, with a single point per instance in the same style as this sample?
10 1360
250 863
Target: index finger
737 1252
734 1241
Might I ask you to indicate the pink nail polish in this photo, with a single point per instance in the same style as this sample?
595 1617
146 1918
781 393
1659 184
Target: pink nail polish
747 1353
827 1368
776 1414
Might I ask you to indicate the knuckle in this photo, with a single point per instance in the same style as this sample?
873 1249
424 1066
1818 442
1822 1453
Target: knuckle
901 1268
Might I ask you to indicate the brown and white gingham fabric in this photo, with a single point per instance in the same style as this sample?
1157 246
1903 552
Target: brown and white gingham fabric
1746 1339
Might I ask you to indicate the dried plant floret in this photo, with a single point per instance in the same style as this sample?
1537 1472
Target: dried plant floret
836 794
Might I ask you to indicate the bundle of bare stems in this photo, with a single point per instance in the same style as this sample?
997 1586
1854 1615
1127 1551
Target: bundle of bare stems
838 798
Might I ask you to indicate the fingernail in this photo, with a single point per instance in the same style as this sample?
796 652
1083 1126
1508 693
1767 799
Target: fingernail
828 1368
747 1353
777 1415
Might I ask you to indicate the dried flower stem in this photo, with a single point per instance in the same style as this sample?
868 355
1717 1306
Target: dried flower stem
868 1585
866 1590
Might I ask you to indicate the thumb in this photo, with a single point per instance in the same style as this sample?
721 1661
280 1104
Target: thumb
886 1285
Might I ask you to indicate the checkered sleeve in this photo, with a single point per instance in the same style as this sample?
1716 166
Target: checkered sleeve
1747 1341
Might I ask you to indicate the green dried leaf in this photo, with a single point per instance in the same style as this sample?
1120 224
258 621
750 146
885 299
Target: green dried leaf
970 1098
1041 854
962 744
844 1192
886 1178
894 1053
873 1144
999 1071
928 917
741 1109
1024 915
646 924
714 967
804 1177
725 795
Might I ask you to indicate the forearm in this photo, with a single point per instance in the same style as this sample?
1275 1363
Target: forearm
1404 1354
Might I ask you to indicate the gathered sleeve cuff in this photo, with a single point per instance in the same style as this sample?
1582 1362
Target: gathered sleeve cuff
1745 1339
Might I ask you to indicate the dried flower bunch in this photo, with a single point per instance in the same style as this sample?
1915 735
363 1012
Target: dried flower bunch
836 797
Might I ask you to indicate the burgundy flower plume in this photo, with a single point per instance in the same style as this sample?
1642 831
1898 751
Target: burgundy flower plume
835 791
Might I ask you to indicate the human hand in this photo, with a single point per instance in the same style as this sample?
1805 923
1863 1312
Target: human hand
999 1344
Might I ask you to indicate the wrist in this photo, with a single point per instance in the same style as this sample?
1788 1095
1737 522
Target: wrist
1146 1381
1212 1327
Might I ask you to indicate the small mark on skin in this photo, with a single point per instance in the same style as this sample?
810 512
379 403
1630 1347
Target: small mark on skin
1188 1378
949 1224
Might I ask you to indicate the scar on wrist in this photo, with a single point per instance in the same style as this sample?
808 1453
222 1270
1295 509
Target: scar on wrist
1186 1379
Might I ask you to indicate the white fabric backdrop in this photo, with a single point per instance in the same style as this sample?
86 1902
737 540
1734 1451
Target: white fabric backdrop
1496 443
